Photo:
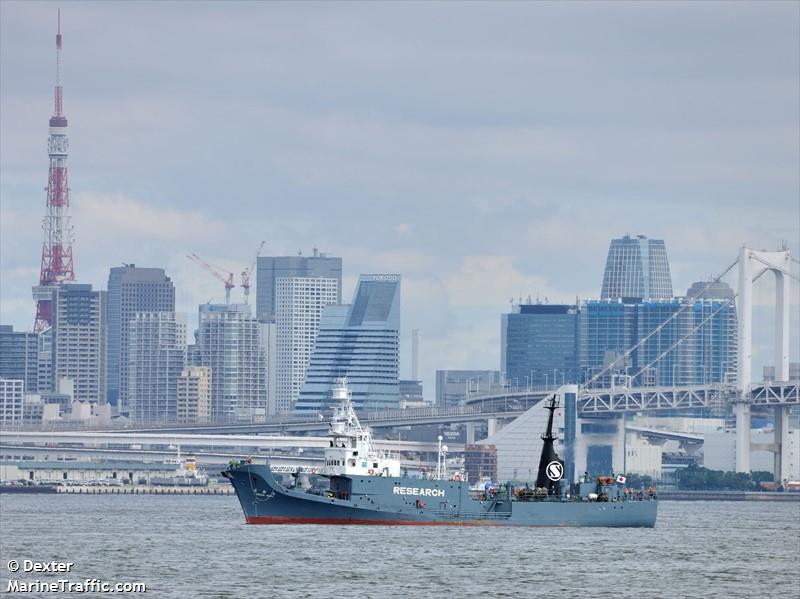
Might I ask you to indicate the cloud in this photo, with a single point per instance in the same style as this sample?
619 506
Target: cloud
115 217
482 154
492 281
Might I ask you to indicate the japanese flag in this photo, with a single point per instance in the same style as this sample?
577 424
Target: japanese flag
620 479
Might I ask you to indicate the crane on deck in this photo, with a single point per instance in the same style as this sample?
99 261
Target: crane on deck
249 271
220 273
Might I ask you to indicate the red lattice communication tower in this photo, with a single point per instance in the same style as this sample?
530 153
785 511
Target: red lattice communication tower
57 266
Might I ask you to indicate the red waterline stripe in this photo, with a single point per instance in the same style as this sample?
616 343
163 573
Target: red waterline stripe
299 520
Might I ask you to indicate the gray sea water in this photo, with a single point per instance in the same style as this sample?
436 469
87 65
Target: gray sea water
187 547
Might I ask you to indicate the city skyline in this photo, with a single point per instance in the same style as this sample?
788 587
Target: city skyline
351 170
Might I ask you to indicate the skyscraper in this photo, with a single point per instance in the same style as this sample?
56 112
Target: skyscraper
684 341
19 357
44 364
607 331
79 339
230 341
130 290
300 302
540 345
271 268
156 357
361 342
715 343
637 268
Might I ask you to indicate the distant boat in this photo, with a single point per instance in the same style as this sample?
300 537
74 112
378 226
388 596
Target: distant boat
186 474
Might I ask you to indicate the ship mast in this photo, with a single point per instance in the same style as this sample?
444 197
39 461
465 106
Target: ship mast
551 467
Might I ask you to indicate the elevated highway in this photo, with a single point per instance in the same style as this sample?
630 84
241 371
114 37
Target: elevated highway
279 463
184 440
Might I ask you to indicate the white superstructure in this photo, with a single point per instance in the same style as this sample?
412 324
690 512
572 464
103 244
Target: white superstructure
351 451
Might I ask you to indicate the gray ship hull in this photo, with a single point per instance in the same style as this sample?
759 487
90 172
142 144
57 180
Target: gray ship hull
409 501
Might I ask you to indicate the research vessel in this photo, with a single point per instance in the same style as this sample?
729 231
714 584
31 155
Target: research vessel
362 485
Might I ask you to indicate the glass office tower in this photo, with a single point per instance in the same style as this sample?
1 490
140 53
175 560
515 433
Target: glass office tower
540 345
362 342
684 341
637 268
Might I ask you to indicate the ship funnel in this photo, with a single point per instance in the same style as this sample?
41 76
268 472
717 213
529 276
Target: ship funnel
551 467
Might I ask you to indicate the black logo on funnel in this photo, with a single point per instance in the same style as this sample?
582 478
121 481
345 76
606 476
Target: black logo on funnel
555 470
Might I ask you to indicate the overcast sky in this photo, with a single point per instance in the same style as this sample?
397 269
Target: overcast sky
484 151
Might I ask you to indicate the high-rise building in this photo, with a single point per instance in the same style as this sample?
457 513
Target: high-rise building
299 307
11 400
44 363
637 268
131 289
271 268
19 357
539 345
670 366
360 341
194 395
706 318
607 331
156 356
79 340
684 341
269 340
454 386
230 341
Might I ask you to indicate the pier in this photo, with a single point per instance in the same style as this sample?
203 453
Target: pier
143 490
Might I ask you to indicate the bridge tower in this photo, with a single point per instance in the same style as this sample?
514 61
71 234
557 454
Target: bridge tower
751 263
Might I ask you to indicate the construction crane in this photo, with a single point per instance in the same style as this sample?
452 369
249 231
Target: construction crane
249 271
220 273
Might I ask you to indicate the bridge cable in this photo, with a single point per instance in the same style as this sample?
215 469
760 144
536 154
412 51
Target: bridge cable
778 268
661 326
694 330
